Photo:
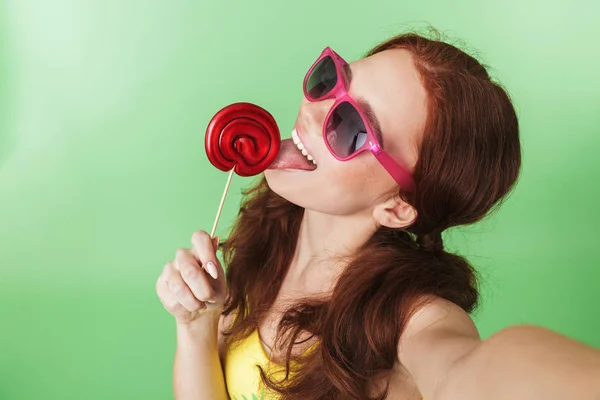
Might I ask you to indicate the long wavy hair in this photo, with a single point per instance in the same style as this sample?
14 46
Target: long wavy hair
469 160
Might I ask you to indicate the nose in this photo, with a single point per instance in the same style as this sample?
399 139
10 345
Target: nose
312 115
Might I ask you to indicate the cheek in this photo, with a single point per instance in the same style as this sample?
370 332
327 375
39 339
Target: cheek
365 180
348 176
355 183
355 173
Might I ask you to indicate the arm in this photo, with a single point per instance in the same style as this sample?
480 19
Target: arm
193 289
197 370
525 362
442 351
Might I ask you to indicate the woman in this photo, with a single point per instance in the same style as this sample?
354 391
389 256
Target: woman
338 285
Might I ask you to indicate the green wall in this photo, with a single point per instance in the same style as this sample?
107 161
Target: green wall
103 106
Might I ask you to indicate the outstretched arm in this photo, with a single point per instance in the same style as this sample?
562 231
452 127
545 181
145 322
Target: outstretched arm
442 351
525 362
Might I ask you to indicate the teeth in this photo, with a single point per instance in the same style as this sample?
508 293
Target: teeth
300 147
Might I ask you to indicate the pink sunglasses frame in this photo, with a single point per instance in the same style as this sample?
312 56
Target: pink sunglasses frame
341 95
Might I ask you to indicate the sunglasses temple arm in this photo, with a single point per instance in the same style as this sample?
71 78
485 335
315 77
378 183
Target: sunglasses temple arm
399 173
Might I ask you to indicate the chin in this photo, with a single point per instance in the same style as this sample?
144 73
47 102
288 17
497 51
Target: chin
302 189
284 184
290 185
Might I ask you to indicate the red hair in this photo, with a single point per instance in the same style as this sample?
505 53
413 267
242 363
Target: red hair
469 160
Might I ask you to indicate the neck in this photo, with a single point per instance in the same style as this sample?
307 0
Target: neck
323 242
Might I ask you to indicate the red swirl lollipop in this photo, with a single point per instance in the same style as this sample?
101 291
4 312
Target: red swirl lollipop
243 137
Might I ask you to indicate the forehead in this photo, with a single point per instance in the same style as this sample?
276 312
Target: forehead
389 82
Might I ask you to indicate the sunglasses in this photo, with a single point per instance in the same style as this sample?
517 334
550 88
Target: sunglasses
347 131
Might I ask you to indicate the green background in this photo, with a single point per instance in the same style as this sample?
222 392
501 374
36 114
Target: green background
103 175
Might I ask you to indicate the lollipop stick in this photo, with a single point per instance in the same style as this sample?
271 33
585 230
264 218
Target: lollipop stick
214 229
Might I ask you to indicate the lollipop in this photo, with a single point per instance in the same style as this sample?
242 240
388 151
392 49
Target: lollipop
241 138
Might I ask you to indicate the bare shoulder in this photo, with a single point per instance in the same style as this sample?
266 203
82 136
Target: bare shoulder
437 316
436 336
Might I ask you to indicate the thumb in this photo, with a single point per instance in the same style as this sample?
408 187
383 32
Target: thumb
215 242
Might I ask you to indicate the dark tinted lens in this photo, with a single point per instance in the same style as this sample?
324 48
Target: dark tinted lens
322 79
346 131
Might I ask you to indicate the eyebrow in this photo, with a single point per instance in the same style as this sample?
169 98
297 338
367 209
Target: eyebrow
366 108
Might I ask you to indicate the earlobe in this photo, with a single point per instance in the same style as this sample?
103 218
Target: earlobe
395 213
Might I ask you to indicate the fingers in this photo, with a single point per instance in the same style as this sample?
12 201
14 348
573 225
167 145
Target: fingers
205 250
176 296
185 287
194 276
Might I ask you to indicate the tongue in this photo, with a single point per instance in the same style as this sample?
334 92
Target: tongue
289 157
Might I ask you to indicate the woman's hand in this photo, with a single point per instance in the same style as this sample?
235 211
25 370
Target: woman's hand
193 284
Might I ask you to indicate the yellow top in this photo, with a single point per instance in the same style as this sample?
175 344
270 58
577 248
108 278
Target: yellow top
241 372
242 376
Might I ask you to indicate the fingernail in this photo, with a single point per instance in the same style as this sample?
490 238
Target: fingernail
211 268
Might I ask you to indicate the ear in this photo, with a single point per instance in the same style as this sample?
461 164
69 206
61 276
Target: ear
395 213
